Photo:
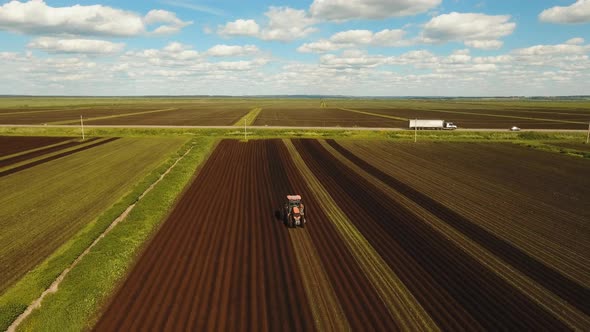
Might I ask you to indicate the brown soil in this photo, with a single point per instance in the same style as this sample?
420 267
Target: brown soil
14 144
57 156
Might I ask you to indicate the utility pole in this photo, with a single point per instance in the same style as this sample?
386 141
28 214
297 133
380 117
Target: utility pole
82 125
416 131
245 138
588 136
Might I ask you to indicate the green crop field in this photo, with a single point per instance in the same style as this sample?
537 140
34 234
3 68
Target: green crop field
43 206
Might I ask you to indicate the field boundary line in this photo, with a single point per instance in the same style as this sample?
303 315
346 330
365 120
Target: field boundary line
374 114
55 285
111 116
18 154
250 117
45 111
537 293
325 307
55 153
402 305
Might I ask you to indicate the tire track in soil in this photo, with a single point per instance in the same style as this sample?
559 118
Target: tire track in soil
219 261
402 305
455 289
549 278
361 303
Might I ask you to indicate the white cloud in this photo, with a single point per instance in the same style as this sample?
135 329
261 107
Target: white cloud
240 28
320 46
284 24
87 46
171 23
232 50
560 49
476 30
352 59
575 41
373 9
578 12
36 17
356 38
485 44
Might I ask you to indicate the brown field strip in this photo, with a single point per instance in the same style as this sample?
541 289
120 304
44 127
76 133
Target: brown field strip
507 199
180 117
361 303
10 145
224 260
35 153
566 312
374 114
573 293
221 261
323 302
18 154
402 305
321 117
454 288
13 168
115 116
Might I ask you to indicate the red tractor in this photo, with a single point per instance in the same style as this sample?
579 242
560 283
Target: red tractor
294 212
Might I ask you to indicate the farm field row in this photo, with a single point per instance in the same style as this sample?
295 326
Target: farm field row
388 246
300 112
50 193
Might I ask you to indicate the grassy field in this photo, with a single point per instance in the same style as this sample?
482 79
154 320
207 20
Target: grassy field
43 206
89 285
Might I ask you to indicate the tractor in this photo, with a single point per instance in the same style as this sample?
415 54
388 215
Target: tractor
294 211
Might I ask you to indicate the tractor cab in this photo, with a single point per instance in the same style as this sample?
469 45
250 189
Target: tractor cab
294 211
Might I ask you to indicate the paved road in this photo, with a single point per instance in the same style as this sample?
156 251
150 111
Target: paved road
273 128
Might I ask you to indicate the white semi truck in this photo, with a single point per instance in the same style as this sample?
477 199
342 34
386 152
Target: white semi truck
432 124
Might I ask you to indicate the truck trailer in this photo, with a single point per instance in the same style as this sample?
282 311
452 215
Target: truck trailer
432 124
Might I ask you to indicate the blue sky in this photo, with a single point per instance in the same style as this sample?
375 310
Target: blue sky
363 48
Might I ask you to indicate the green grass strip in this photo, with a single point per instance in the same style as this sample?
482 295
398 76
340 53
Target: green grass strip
111 116
87 288
375 114
263 133
37 149
16 299
548 147
249 118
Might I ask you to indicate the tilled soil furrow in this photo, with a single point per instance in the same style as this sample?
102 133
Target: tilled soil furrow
352 287
220 261
515 216
13 144
489 299
569 290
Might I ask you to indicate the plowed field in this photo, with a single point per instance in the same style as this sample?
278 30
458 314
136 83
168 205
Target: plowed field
223 260
14 144
321 117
